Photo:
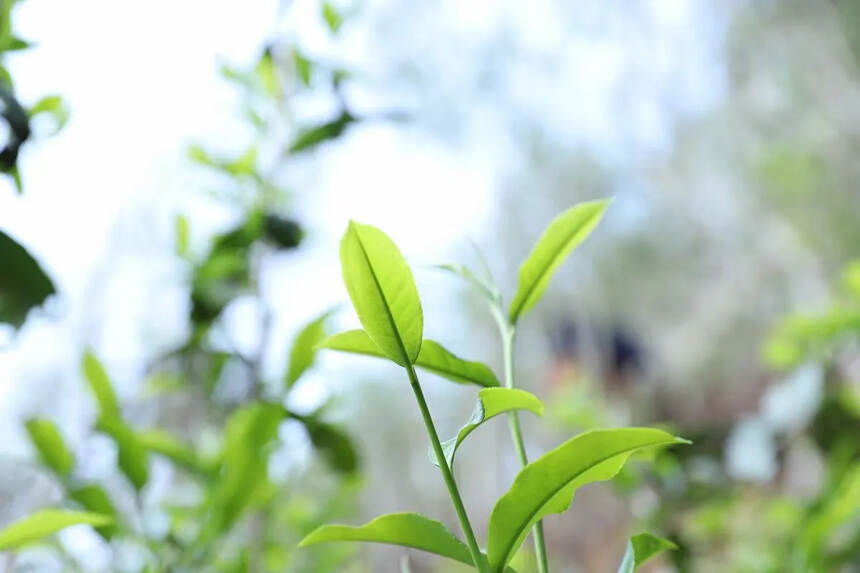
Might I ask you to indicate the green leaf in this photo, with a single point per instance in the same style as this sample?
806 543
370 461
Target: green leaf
641 548
314 136
304 350
132 458
332 17
491 402
54 106
100 385
405 529
562 235
483 286
302 66
163 444
432 357
334 444
547 485
49 443
95 499
383 292
182 235
23 283
44 523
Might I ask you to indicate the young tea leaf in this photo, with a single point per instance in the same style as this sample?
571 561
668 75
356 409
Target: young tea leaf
562 235
405 529
44 523
383 292
49 443
641 548
491 402
483 286
100 384
547 485
95 499
432 357
303 352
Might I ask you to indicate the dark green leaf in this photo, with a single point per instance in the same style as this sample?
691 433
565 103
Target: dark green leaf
44 523
23 283
547 485
312 137
49 443
282 233
562 235
432 357
335 445
641 548
491 402
383 292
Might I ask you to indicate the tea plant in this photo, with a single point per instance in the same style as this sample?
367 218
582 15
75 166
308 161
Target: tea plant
383 292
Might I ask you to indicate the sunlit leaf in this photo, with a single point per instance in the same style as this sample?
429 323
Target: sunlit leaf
182 235
132 458
302 66
304 349
547 485
562 235
641 548
404 529
432 357
491 402
383 292
100 385
23 283
50 445
332 17
44 523
54 106
95 499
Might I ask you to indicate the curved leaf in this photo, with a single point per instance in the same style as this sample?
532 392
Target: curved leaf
562 235
483 286
100 384
491 402
641 548
161 443
432 357
383 292
131 455
547 485
44 523
49 443
405 529
303 352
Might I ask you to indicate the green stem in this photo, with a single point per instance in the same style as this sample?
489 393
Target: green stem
477 556
508 331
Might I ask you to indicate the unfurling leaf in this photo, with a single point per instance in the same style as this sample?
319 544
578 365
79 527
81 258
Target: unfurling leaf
491 402
49 443
303 352
383 292
486 288
547 485
44 523
432 357
404 529
641 548
562 235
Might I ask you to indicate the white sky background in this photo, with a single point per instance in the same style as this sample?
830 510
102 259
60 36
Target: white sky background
141 80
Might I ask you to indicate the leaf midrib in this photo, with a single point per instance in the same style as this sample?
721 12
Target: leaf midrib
378 286
546 499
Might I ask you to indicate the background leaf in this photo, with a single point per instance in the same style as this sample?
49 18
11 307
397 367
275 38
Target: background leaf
432 357
547 485
405 529
100 385
304 349
132 458
491 402
95 499
50 445
383 292
562 235
44 523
